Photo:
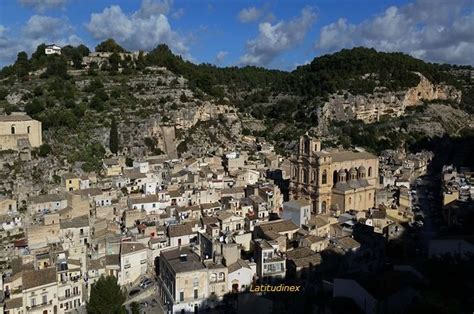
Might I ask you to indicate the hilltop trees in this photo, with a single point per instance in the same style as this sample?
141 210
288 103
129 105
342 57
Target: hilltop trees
109 45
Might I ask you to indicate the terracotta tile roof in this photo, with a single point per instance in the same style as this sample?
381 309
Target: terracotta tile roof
179 230
37 278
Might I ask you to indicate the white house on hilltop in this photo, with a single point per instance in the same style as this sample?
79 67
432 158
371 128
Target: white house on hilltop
52 49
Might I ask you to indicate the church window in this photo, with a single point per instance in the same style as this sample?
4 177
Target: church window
324 178
305 176
305 147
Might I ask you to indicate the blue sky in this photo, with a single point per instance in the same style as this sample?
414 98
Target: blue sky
273 34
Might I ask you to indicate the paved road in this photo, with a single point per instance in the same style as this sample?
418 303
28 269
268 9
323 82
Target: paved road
428 200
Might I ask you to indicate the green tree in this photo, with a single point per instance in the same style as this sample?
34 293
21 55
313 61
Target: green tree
106 297
57 67
114 137
3 93
109 45
129 162
22 66
135 308
44 150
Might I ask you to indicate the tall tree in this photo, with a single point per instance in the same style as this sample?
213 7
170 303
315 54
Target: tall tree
114 138
106 297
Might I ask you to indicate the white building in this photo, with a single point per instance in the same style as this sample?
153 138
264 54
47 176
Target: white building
298 211
52 50
133 262
241 275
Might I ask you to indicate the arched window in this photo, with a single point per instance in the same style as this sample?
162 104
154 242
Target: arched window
28 129
350 200
324 178
313 177
221 276
369 173
323 207
13 129
305 146
305 176
294 172
213 277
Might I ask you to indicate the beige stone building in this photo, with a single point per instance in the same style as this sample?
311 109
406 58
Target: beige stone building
333 180
183 280
19 130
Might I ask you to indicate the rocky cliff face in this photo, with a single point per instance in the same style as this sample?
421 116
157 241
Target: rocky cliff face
369 108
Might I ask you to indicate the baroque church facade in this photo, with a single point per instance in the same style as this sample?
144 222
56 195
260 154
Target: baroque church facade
333 180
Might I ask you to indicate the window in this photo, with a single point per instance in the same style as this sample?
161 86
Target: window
28 129
13 129
350 200
324 178
33 302
195 282
305 176
196 293
369 173
45 299
181 296
213 277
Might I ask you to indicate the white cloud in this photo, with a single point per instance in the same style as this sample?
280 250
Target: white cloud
37 30
150 7
221 56
250 14
178 13
138 31
41 5
438 31
273 40
39 26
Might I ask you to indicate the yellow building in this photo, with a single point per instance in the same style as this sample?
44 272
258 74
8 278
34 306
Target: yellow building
333 180
19 130
71 182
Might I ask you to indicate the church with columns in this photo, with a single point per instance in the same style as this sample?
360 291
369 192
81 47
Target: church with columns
333 180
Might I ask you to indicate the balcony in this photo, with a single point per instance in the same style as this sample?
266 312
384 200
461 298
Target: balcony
40 305
69 296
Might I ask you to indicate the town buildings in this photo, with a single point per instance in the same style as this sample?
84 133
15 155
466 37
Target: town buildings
333 180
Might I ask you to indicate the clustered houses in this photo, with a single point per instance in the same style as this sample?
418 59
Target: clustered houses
200 227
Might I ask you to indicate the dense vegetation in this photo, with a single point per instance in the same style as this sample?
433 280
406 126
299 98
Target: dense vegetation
286 102
360 70
106 297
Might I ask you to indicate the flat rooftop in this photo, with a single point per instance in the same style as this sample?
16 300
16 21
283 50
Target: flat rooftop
183 260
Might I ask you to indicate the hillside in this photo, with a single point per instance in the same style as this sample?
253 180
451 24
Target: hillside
164 104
